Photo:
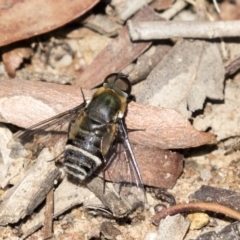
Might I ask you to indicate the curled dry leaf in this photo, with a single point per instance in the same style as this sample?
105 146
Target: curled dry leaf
30 18
193 78
25 103
118 54
13 58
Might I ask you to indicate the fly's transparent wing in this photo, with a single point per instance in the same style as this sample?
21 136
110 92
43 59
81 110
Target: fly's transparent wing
46 132
123 170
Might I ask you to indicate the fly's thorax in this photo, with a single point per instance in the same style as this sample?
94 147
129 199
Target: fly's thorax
106 106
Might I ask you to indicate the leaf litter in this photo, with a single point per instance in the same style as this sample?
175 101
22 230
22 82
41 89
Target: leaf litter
186 82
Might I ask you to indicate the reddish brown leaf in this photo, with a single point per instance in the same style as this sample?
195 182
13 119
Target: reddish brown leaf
164 128
24 103
158 168
229 11
24 19
161 4
117 55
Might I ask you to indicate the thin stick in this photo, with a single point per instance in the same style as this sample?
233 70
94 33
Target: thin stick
216 6
233 67
185 29
174 9
48 222
198 206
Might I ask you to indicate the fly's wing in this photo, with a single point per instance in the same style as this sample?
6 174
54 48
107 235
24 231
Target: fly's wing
123 171
46 132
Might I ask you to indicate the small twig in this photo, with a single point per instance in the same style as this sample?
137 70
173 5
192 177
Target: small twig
48 222
199 206
185 29
174 9
216 6
233 67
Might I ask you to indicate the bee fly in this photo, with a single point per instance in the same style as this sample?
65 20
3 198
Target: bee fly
96 133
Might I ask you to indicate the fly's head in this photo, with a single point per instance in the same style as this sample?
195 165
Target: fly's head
120 84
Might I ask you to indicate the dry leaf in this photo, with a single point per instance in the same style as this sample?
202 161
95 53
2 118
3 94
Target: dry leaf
164 128
159 168
183 80
13 58
25 19
146 62
224 126
161 4
229 11
119 53
25 103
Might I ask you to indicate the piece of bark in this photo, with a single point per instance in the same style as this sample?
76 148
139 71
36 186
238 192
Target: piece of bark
229 232
25 19
225 197
22 199
188 84
116 56
173 227
109 231
25 103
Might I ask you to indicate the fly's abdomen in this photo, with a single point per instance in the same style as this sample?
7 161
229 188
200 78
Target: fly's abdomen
82 157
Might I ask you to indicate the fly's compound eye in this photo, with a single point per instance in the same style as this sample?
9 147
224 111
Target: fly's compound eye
119 82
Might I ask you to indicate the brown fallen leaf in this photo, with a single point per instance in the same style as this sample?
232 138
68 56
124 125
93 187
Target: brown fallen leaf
229 11
161 5
192 79
159 168
164 128
25 19
119 53
14 57
25 103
